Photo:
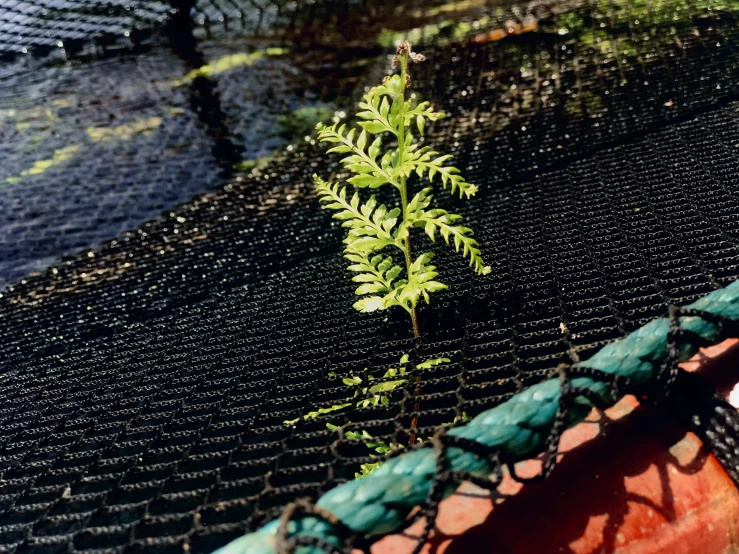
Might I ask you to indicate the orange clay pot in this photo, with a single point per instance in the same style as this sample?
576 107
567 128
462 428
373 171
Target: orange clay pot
644 486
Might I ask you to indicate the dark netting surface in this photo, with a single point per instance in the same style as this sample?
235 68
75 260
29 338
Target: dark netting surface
145 383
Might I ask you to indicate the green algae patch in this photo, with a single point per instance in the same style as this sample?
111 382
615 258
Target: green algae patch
248 165
228 63
59 156
124 132
441 33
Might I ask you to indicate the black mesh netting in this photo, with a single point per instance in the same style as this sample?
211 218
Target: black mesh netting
145 382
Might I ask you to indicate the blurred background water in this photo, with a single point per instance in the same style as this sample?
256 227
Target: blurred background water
112 112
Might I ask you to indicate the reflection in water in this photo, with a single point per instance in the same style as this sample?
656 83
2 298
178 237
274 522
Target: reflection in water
204 98
59 156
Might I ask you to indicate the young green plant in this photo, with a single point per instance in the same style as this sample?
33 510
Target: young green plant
385 154
371 391
388 116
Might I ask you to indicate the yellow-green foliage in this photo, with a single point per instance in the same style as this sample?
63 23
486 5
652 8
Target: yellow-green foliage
384 154
370 391
40 166
124 132
444 32
120 133
228 63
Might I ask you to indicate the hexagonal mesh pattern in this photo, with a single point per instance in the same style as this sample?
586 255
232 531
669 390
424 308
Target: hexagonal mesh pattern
145 383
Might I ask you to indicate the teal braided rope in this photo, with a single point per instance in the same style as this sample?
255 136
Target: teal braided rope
380 503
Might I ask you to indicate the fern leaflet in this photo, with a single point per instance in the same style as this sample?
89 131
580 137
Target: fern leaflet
442 221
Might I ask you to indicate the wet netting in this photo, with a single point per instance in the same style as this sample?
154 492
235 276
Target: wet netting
203 301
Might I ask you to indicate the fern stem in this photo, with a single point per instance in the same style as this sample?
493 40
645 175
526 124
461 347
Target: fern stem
403 58
408 256
412 311
403 189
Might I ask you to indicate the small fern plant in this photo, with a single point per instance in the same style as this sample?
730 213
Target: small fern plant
385 154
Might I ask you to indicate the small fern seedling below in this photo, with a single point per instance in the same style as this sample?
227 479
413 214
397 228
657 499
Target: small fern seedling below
365 393
385 154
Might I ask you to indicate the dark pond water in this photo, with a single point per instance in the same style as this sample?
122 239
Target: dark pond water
112 113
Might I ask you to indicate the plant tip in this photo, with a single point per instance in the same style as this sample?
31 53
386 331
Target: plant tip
403 48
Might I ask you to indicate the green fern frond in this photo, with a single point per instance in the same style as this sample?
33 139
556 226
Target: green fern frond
369 173
442 221
381 115
320 411
385 111
421 114
420 282
377 275
367 469
359 386
427 161
376 112
370 226
431 363
393 87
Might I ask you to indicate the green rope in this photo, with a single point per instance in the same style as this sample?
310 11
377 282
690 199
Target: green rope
380 503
